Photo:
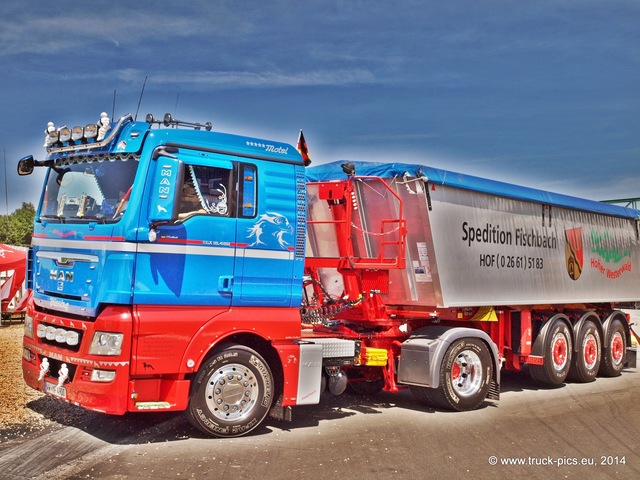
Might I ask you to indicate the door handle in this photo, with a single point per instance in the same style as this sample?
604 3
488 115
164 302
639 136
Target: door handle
225 284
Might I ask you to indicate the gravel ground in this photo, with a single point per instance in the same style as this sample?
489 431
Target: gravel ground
15 393
23 411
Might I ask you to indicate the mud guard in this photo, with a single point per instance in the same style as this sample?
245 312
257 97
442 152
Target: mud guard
577 326
422 353
537 349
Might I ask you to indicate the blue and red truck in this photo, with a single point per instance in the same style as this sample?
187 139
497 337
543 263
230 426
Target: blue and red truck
175 268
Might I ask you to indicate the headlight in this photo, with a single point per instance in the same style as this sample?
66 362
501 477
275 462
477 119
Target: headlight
28 326
105 343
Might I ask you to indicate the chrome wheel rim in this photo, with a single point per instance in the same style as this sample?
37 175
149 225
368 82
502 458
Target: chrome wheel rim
232 392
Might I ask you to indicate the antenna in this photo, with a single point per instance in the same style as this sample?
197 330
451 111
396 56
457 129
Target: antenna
140 99
113 109
6 191
175 110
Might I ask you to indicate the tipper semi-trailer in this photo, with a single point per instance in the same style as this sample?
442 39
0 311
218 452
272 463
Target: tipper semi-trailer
176 268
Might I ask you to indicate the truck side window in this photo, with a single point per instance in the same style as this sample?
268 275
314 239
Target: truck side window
207 191
248 192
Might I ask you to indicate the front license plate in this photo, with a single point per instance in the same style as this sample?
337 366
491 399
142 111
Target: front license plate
55 390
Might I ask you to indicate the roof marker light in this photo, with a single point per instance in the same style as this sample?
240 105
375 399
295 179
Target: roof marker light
64 134
53 137
90 130
77 133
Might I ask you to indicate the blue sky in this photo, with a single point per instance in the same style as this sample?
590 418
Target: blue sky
542 93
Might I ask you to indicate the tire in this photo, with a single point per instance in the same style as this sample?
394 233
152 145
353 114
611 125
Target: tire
557 353
614 354
465 377
586 362
232 393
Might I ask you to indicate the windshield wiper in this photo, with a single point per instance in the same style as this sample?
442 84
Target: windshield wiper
48 218
98 218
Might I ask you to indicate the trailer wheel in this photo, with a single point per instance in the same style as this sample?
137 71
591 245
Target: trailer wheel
615 350
465 377
231 393
585 364
556 355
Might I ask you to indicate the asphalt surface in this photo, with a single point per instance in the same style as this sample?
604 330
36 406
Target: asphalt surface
574 431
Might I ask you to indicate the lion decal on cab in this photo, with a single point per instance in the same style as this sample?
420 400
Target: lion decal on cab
269 227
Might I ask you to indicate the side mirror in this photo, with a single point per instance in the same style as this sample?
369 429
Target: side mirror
166 189
26 165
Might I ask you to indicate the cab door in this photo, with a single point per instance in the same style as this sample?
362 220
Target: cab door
268 271
191 261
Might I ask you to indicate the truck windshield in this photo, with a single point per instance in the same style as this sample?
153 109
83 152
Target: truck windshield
96 189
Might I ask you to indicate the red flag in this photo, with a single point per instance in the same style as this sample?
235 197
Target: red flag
304 151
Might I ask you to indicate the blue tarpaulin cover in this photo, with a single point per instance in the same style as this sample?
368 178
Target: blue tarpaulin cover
333 171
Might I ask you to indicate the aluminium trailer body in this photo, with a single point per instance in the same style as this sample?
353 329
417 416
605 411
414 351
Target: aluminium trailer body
543 275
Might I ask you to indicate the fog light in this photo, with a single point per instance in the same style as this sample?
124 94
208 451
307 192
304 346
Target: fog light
61 335
73 339
50 333
103 376
41 331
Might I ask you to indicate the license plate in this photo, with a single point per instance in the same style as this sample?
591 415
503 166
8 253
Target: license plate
55 390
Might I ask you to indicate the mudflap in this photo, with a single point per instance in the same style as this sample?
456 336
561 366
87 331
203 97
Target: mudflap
279 412
632 358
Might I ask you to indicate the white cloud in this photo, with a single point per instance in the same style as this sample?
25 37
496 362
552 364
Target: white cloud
35 32
196 80
266 79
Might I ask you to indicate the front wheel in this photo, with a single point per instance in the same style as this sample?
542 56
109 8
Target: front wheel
465 377
232 393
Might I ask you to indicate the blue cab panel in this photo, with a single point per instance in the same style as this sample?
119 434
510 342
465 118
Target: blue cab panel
170 217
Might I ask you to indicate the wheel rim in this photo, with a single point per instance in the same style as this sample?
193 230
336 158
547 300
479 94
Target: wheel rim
590 348
617 348
232 392
559 346
466 373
